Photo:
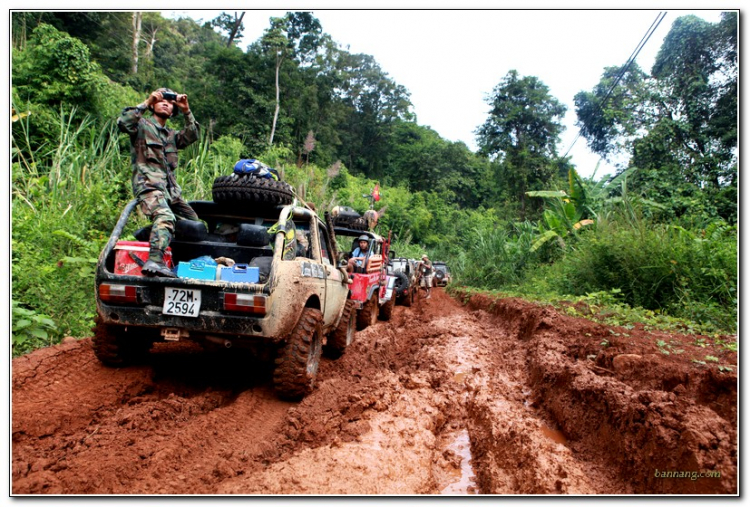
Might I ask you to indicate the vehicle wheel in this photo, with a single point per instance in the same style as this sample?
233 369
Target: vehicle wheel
234 189
401 283
439 277
115 346
409 297
368 314
387 309
343 335
298 361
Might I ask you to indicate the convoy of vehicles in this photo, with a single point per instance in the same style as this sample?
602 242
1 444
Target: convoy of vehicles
260 271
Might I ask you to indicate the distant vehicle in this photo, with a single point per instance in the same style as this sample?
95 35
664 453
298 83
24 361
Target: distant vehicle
371 288
442 274
405 286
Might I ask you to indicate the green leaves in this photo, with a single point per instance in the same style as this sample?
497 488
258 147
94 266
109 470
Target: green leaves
29 329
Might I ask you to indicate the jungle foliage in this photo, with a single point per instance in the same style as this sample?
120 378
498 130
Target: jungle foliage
661 234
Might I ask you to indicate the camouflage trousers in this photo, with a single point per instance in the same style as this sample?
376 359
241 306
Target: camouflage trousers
163 215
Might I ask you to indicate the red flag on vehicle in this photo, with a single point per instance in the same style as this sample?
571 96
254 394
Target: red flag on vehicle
376 192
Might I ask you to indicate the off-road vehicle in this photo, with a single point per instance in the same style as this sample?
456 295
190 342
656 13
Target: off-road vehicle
405 285
371 286
292 305
442 274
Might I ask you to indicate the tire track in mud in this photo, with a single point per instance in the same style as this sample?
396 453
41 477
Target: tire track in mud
139 430
484 398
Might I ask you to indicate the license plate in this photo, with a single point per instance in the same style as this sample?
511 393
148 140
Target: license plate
183 302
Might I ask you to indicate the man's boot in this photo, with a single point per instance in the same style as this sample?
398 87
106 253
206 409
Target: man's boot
152 268
157 268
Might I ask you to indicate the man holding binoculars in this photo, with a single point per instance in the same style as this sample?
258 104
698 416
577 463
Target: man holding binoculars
153 150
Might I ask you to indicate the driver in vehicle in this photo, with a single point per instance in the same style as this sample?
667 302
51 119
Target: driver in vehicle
359 255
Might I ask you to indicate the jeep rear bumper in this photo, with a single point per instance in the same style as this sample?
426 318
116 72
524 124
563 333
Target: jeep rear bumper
208 322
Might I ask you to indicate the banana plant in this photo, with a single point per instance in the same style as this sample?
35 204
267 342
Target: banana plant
565 211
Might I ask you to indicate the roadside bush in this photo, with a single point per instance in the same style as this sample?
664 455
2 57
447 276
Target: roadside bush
664 267
498 256
30 329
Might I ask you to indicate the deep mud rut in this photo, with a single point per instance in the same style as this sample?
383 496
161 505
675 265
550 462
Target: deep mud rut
480 397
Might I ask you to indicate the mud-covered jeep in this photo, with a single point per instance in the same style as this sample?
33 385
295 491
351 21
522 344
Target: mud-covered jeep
291 307
442 274
372 287
405 285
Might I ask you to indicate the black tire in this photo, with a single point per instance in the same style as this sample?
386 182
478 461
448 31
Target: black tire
234 189
368 314
401 283
409 297
387 309
114 346
440 279
358 223
343 335
298 360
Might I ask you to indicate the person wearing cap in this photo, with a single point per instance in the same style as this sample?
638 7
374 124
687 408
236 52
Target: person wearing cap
153 154
426 272
359 254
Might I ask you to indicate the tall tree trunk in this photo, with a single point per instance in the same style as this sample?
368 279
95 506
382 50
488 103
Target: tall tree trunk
151 44
137 20
279 59
237 23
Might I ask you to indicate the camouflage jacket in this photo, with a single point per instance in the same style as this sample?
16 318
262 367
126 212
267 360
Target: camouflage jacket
153 150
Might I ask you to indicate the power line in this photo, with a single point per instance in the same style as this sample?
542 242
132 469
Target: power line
654 25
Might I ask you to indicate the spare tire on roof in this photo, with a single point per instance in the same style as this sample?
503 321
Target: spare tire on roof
344 216
241 189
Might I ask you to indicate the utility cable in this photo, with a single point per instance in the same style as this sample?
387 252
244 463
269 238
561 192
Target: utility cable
654 25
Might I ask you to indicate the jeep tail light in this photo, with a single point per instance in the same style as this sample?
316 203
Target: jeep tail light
118 293
249 303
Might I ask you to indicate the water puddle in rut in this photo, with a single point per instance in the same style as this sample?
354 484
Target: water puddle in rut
464 484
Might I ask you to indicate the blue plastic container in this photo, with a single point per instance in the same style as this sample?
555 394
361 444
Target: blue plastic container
240 273
199 270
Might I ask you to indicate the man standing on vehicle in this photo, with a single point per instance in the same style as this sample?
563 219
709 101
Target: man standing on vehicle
426 273
359 255
153 150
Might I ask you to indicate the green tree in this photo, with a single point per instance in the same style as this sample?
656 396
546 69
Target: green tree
678 126
521 135
609 117
374 103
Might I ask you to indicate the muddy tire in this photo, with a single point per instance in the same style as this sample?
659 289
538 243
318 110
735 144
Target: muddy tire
401 283
343 335
387 309
298 360
114 346
409 297
368 314
234 189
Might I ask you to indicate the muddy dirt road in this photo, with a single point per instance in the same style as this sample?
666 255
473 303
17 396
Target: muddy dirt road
479 397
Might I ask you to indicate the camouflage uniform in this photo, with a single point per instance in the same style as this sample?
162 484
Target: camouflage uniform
153 151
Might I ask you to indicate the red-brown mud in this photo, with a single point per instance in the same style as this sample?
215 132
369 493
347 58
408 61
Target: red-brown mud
466 396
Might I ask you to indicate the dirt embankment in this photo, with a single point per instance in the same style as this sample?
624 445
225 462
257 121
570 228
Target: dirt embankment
485 397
